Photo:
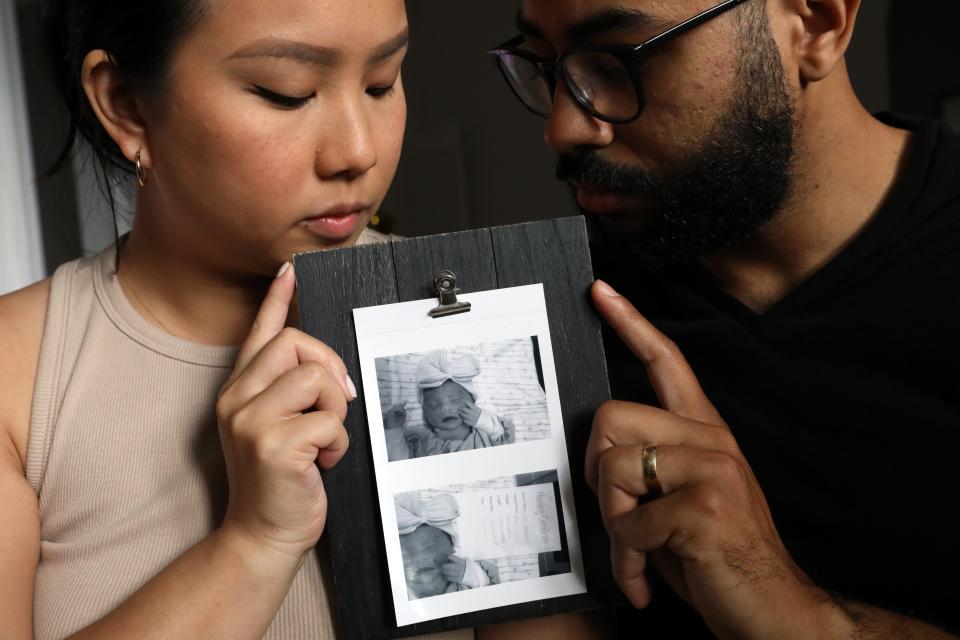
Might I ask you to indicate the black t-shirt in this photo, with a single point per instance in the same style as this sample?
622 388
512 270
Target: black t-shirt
844 396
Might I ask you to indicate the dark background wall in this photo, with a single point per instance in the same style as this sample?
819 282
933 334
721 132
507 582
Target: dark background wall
60 227
474 157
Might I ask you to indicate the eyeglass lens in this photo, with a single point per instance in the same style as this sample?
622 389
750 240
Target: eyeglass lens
528 81
602 84
597 79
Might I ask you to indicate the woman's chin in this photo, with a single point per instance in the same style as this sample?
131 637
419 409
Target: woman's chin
304 242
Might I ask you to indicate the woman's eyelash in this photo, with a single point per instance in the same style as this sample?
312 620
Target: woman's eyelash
281 100
380 92
295 102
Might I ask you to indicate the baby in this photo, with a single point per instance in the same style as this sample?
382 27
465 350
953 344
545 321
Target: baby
453 420
427 541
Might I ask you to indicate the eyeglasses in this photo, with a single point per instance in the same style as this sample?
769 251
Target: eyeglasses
604 79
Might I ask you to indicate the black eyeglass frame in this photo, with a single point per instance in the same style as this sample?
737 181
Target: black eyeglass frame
627 54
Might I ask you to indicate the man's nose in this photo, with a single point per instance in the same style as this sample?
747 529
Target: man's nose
570 127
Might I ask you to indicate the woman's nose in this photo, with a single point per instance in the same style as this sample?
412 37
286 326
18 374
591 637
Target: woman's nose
349 149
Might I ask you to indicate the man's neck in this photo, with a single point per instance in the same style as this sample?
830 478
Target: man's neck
846 164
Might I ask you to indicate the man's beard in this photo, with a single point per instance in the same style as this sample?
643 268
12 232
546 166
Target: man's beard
734 184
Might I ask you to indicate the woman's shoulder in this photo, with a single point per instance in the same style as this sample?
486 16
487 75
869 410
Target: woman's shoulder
22 318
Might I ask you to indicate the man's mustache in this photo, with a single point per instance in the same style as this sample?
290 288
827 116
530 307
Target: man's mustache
589 167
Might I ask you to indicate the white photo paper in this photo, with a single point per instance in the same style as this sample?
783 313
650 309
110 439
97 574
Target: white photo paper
469 453
513 522
437 530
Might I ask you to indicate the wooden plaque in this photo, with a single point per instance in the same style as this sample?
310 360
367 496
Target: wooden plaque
333 283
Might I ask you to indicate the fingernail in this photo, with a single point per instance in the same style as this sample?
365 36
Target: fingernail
283 269
351 388
606 289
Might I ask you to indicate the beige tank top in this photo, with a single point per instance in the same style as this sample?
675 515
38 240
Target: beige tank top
124 455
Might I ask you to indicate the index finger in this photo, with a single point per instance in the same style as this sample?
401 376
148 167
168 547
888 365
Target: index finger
673 380
270 320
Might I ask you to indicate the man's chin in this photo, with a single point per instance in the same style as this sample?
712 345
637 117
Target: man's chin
635 237
623 224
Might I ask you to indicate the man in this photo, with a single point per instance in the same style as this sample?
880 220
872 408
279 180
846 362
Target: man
792 480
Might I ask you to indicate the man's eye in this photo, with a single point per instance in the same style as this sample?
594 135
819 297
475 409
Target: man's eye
280 100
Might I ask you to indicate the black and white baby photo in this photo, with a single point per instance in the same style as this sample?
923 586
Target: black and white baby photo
463 398
484 533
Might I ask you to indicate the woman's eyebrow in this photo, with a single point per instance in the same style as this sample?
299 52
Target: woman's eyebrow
391 47
315 54
292 49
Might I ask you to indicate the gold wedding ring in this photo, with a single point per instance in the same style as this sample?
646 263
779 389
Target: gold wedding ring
648 462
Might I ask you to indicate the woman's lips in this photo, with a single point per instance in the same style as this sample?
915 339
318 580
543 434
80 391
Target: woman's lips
338 223
603 200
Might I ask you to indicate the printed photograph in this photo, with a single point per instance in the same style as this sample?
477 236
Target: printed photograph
463 398
489 525
484 533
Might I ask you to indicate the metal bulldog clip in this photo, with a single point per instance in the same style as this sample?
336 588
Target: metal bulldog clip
446 285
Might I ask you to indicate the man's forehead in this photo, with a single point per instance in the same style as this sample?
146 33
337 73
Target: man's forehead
575 21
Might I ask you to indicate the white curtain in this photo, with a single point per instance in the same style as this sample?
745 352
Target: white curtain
21 249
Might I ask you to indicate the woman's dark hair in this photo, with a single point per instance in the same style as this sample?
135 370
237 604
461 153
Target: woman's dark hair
139 37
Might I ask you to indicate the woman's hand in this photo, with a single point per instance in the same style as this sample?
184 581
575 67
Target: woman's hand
272 439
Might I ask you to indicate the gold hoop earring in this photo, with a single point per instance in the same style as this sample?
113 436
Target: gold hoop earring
141 172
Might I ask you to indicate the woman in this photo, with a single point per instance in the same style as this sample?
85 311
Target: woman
255 130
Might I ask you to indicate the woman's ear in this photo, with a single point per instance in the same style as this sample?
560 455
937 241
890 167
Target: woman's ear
114 103
821 34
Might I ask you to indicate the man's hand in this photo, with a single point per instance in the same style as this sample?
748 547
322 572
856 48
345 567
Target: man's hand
708 530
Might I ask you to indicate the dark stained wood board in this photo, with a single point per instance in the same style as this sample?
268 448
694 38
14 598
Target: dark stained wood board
333 283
